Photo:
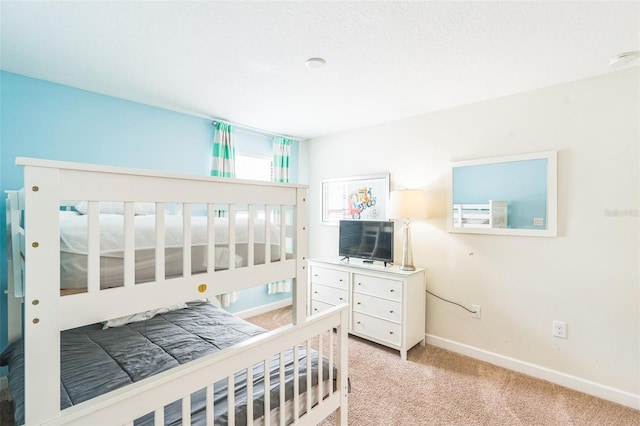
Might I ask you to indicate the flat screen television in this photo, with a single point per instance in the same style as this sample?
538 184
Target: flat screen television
366 239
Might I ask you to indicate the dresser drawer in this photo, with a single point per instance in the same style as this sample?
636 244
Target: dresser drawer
330 277
317 306
377 328
377 307
374 286
330 295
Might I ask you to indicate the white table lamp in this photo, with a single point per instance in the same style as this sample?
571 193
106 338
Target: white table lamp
407 204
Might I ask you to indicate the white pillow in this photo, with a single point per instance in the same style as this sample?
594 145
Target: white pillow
117 207
141 316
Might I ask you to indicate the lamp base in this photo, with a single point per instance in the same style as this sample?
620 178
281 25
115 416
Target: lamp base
407 255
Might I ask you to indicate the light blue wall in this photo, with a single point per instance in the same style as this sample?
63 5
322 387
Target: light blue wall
46 120
523 184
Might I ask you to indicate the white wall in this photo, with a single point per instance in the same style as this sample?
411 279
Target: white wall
588 276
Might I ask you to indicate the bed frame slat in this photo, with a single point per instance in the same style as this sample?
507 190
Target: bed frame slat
231 400
250 396
211 238
158 416
186 240
186 410
267 393
251 218
331 361
296 382
129 244
232 236
160 242
268 213
320 375
210 406
93 247
281 389
309 393
283 232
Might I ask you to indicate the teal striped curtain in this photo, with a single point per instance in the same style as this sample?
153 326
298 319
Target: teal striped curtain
223 165
281 154
224 151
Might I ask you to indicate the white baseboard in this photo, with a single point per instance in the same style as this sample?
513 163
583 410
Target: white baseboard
264 308
601 391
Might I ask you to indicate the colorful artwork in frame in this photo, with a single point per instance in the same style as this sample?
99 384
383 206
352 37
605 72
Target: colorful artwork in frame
355 198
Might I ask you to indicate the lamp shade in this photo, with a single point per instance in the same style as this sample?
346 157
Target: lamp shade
407 203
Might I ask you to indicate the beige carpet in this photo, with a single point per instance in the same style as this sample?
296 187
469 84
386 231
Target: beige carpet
438 387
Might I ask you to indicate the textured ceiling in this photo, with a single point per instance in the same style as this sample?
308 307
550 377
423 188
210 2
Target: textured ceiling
245 61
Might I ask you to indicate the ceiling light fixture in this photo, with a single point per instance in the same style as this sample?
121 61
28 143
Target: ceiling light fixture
315 62
624 59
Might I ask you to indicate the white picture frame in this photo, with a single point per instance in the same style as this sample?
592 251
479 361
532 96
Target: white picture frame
544 226
355 198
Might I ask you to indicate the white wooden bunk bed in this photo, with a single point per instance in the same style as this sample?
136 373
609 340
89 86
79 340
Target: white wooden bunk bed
307 358
490 215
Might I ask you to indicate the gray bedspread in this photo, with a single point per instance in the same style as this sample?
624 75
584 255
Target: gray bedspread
95 361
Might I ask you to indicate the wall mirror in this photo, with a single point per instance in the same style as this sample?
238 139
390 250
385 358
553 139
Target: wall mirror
514 195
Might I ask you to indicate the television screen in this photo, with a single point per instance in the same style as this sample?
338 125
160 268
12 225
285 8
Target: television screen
369 240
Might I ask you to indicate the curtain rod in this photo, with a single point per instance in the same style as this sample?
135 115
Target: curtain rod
251 129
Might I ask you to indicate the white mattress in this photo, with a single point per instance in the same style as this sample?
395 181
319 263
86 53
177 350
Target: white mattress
73 247
73 232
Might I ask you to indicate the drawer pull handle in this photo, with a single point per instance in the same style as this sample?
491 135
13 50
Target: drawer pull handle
390 312
315 309
315 292
359 283
359 303
315 275
358 322
391 290
340 279
341 298
391 332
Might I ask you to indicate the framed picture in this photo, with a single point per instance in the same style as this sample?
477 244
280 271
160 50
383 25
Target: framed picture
355 198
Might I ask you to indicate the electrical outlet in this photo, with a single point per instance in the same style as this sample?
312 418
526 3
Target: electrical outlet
476 311
560 329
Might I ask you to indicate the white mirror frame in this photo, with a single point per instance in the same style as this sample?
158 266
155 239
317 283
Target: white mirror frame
551 229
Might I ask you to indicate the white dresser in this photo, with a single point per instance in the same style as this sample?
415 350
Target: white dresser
387 305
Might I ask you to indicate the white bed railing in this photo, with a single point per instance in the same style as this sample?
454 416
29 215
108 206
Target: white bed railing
123 406
49 183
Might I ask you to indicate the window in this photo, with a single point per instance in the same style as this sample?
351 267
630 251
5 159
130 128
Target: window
254 167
